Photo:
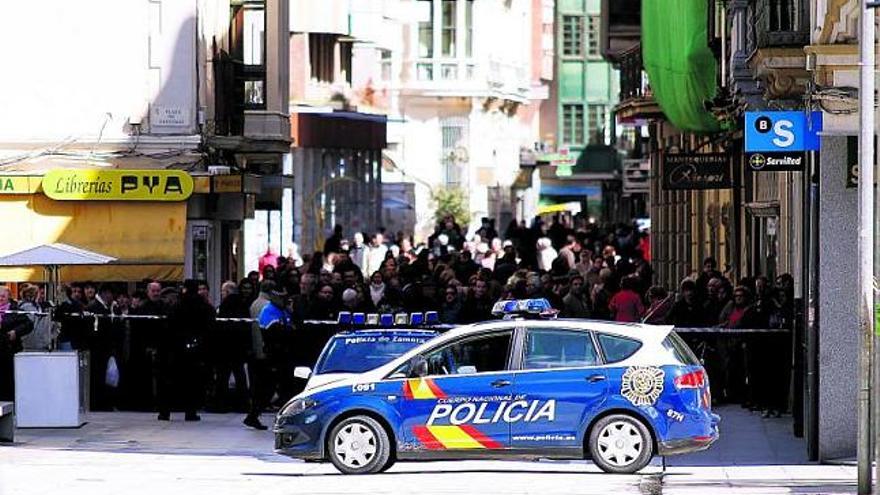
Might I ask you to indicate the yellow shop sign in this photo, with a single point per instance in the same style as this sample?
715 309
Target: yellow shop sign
117 185
19 184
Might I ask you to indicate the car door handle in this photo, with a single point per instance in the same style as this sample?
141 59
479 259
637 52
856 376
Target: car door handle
501 383
595 378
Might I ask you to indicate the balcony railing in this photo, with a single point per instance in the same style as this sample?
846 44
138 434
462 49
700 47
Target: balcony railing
781 23
633 80
468 76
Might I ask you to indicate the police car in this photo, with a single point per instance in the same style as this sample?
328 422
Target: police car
353 352
520 387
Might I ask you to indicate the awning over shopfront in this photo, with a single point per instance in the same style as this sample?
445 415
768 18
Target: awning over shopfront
681 68
572 207
345 130
570 190
137 217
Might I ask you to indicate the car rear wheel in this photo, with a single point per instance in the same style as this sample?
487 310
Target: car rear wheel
620 443
359 445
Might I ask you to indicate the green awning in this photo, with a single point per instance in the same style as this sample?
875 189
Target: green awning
680 66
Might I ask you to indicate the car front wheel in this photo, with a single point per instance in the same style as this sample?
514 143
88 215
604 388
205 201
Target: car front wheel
359 445
620 444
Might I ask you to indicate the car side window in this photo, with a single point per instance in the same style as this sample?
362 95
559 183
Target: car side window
556 348
617 348
481 354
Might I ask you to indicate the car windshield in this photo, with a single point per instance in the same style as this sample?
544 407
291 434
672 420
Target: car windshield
360 353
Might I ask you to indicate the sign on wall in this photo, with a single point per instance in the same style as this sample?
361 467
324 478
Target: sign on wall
169 116
852 160
117 185
688 171
19 184
778 141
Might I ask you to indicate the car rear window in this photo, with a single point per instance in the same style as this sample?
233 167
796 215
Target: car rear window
617 348
674 344
551 348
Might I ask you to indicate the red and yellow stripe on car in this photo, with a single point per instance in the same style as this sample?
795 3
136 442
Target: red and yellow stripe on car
422 388
442 437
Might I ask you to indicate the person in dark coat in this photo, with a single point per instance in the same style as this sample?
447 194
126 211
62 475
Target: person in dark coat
478 305
12 328
687 312
233 347
180 352
709 272
101 347
450 310
324 305
145 334
74 329
334 242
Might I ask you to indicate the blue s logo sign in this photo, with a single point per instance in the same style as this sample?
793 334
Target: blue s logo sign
784 135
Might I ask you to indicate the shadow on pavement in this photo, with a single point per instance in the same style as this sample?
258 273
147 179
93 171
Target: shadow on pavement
530 472
800 486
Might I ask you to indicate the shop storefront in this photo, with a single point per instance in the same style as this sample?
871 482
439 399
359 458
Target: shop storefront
136 216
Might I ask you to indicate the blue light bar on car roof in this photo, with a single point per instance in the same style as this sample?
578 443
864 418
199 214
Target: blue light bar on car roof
533 307
432 318
388 319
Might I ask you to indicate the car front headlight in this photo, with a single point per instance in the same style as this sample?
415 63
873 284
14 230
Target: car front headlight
297 406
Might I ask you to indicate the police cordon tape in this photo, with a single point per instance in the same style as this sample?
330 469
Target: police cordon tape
86 314
730 330
96 316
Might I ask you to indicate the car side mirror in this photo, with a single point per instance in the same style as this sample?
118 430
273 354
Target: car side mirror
303 372
418 367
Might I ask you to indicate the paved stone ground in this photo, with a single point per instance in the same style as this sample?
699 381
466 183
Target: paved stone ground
132 453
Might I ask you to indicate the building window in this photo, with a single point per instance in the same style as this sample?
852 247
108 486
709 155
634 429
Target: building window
329 58
345 49
254 94
385 64
598 115
248 50
454 135
593 23
254 36
447 27
451 24
426 29
322 56
469 28
449 71
572 35
425 72
572 123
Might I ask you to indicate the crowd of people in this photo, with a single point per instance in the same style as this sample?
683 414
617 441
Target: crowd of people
189 358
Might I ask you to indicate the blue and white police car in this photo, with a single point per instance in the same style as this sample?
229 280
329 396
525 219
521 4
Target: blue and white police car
520 387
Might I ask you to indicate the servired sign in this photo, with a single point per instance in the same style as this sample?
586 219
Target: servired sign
777 141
